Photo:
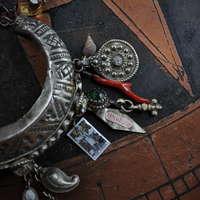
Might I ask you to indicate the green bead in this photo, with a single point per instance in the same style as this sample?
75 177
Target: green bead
96 94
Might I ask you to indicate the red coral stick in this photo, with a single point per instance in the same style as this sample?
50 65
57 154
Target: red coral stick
125 87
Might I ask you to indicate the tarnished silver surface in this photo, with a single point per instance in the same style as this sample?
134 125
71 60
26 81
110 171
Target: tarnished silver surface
57 181
22 166
116 60
54 110
118 120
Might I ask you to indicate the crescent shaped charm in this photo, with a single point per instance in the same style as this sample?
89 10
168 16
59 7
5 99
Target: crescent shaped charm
56 181
55 108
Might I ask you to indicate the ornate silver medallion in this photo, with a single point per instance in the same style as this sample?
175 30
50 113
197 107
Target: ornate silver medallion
116 60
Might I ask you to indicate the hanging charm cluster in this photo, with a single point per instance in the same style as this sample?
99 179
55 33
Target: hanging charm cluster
116 61
50 179
98 102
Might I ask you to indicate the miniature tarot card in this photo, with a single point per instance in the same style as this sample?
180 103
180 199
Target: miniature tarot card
88 139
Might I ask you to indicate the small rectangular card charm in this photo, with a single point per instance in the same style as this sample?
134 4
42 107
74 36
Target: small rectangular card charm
88 139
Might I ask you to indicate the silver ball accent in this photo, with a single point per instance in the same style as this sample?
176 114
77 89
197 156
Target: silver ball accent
126 50
130 56
107 50
114 47
130 64
95 62
120 47
127 70
121 74
114 74
104 64
104 57
107 70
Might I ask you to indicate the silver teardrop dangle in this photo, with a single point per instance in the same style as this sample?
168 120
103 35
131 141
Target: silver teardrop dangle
55 180
30 194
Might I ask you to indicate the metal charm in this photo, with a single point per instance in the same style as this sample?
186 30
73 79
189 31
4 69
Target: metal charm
153 107
57 181
118 120
116 60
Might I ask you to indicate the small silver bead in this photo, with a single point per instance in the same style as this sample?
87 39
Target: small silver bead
127 70
114 74
113 47
130 64
130 56
107 50
104 57
107 70
126 50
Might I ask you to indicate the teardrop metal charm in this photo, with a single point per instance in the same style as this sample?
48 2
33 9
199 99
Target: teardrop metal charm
116 60
30 194
118 120
57 181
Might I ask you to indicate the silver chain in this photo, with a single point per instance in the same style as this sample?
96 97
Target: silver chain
38 179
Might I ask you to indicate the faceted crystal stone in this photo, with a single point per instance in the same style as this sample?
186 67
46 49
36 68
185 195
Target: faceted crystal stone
30 194
96 94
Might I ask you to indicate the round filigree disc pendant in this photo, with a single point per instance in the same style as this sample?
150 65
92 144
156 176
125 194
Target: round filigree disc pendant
116 60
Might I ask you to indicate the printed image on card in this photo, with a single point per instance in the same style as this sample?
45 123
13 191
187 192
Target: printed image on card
88 139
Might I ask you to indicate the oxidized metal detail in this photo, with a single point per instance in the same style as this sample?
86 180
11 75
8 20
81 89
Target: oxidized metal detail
53 111
22 166
116 60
